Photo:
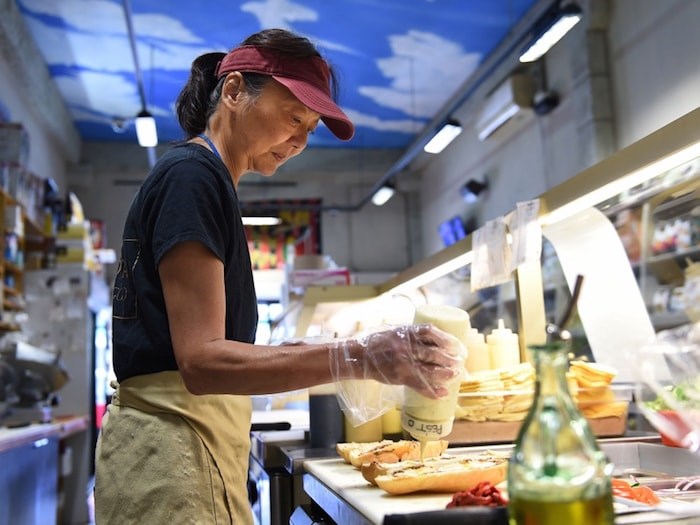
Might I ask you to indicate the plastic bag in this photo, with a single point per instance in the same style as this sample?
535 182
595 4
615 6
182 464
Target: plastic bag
371 369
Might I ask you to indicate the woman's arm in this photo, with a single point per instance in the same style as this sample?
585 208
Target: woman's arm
193 285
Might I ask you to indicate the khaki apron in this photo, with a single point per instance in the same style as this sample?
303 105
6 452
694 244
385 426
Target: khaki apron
166 456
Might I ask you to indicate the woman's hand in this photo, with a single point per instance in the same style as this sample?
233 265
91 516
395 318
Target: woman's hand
421 357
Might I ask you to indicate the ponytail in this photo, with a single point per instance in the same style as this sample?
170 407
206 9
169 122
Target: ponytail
197 100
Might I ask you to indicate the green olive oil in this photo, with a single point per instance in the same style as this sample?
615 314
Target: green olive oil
577 512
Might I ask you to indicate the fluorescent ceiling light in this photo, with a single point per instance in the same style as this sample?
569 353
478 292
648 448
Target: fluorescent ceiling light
443 137
566 18
383 194
261 221
146 130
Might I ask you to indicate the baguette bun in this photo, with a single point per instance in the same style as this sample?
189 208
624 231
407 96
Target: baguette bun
358 454
370 471
441 474
344 449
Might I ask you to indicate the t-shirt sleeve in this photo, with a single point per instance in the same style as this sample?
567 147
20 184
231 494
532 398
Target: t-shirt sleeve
187 206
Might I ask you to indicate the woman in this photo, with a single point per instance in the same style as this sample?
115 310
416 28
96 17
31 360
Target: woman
175 441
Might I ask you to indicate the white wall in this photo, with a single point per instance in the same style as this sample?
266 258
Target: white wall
32 99
655 56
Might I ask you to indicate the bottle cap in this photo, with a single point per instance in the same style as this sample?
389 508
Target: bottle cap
502 334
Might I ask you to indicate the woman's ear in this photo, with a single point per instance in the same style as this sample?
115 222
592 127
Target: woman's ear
233 88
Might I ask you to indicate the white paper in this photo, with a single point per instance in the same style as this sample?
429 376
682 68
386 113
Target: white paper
611 306
526 232
491 264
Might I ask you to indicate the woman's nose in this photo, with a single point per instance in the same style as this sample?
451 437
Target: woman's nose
299 141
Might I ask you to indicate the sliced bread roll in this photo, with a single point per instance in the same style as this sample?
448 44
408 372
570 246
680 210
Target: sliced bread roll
358 454
344 449
442 474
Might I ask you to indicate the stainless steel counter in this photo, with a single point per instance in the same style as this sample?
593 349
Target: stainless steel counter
272 490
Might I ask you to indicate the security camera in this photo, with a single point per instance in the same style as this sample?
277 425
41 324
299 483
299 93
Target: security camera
545 101
119 125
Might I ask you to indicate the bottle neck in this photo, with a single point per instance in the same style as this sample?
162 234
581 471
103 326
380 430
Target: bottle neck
551 365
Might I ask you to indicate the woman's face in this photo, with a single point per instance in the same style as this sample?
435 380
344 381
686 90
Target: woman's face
270 129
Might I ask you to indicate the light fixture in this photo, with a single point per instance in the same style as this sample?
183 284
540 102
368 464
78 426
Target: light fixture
146 130
551 29
261 221
383 194
146 133
442 138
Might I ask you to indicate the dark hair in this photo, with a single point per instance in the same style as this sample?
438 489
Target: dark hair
200 95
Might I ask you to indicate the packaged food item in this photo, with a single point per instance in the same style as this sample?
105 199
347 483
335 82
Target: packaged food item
691 291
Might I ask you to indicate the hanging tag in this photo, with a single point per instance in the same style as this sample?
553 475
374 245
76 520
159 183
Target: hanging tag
526 233
492 255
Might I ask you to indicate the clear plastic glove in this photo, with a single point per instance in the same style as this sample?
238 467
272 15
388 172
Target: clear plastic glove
421 357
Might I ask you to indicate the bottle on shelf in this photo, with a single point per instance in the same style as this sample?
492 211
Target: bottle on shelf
478 355
504 347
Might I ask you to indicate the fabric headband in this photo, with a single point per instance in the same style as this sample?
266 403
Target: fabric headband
307 78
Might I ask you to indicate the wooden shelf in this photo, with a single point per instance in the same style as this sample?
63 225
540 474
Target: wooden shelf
9 327
13 292
692 253
12 268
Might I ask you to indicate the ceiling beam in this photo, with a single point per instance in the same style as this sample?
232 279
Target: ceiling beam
39 91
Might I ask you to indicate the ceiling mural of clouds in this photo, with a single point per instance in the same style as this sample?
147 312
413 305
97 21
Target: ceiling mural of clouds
398 61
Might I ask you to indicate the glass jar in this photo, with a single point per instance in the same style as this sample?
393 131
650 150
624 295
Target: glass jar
557 474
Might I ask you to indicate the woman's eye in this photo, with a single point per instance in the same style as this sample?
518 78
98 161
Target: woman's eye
296 120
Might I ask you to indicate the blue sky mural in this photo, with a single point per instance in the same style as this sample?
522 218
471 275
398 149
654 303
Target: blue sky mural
398 61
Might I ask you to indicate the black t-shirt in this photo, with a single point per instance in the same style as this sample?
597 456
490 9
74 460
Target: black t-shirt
188 196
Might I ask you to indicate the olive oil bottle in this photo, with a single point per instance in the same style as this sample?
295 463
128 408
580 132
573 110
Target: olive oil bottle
557 474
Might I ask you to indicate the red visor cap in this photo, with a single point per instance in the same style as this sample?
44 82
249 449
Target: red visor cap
307 78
